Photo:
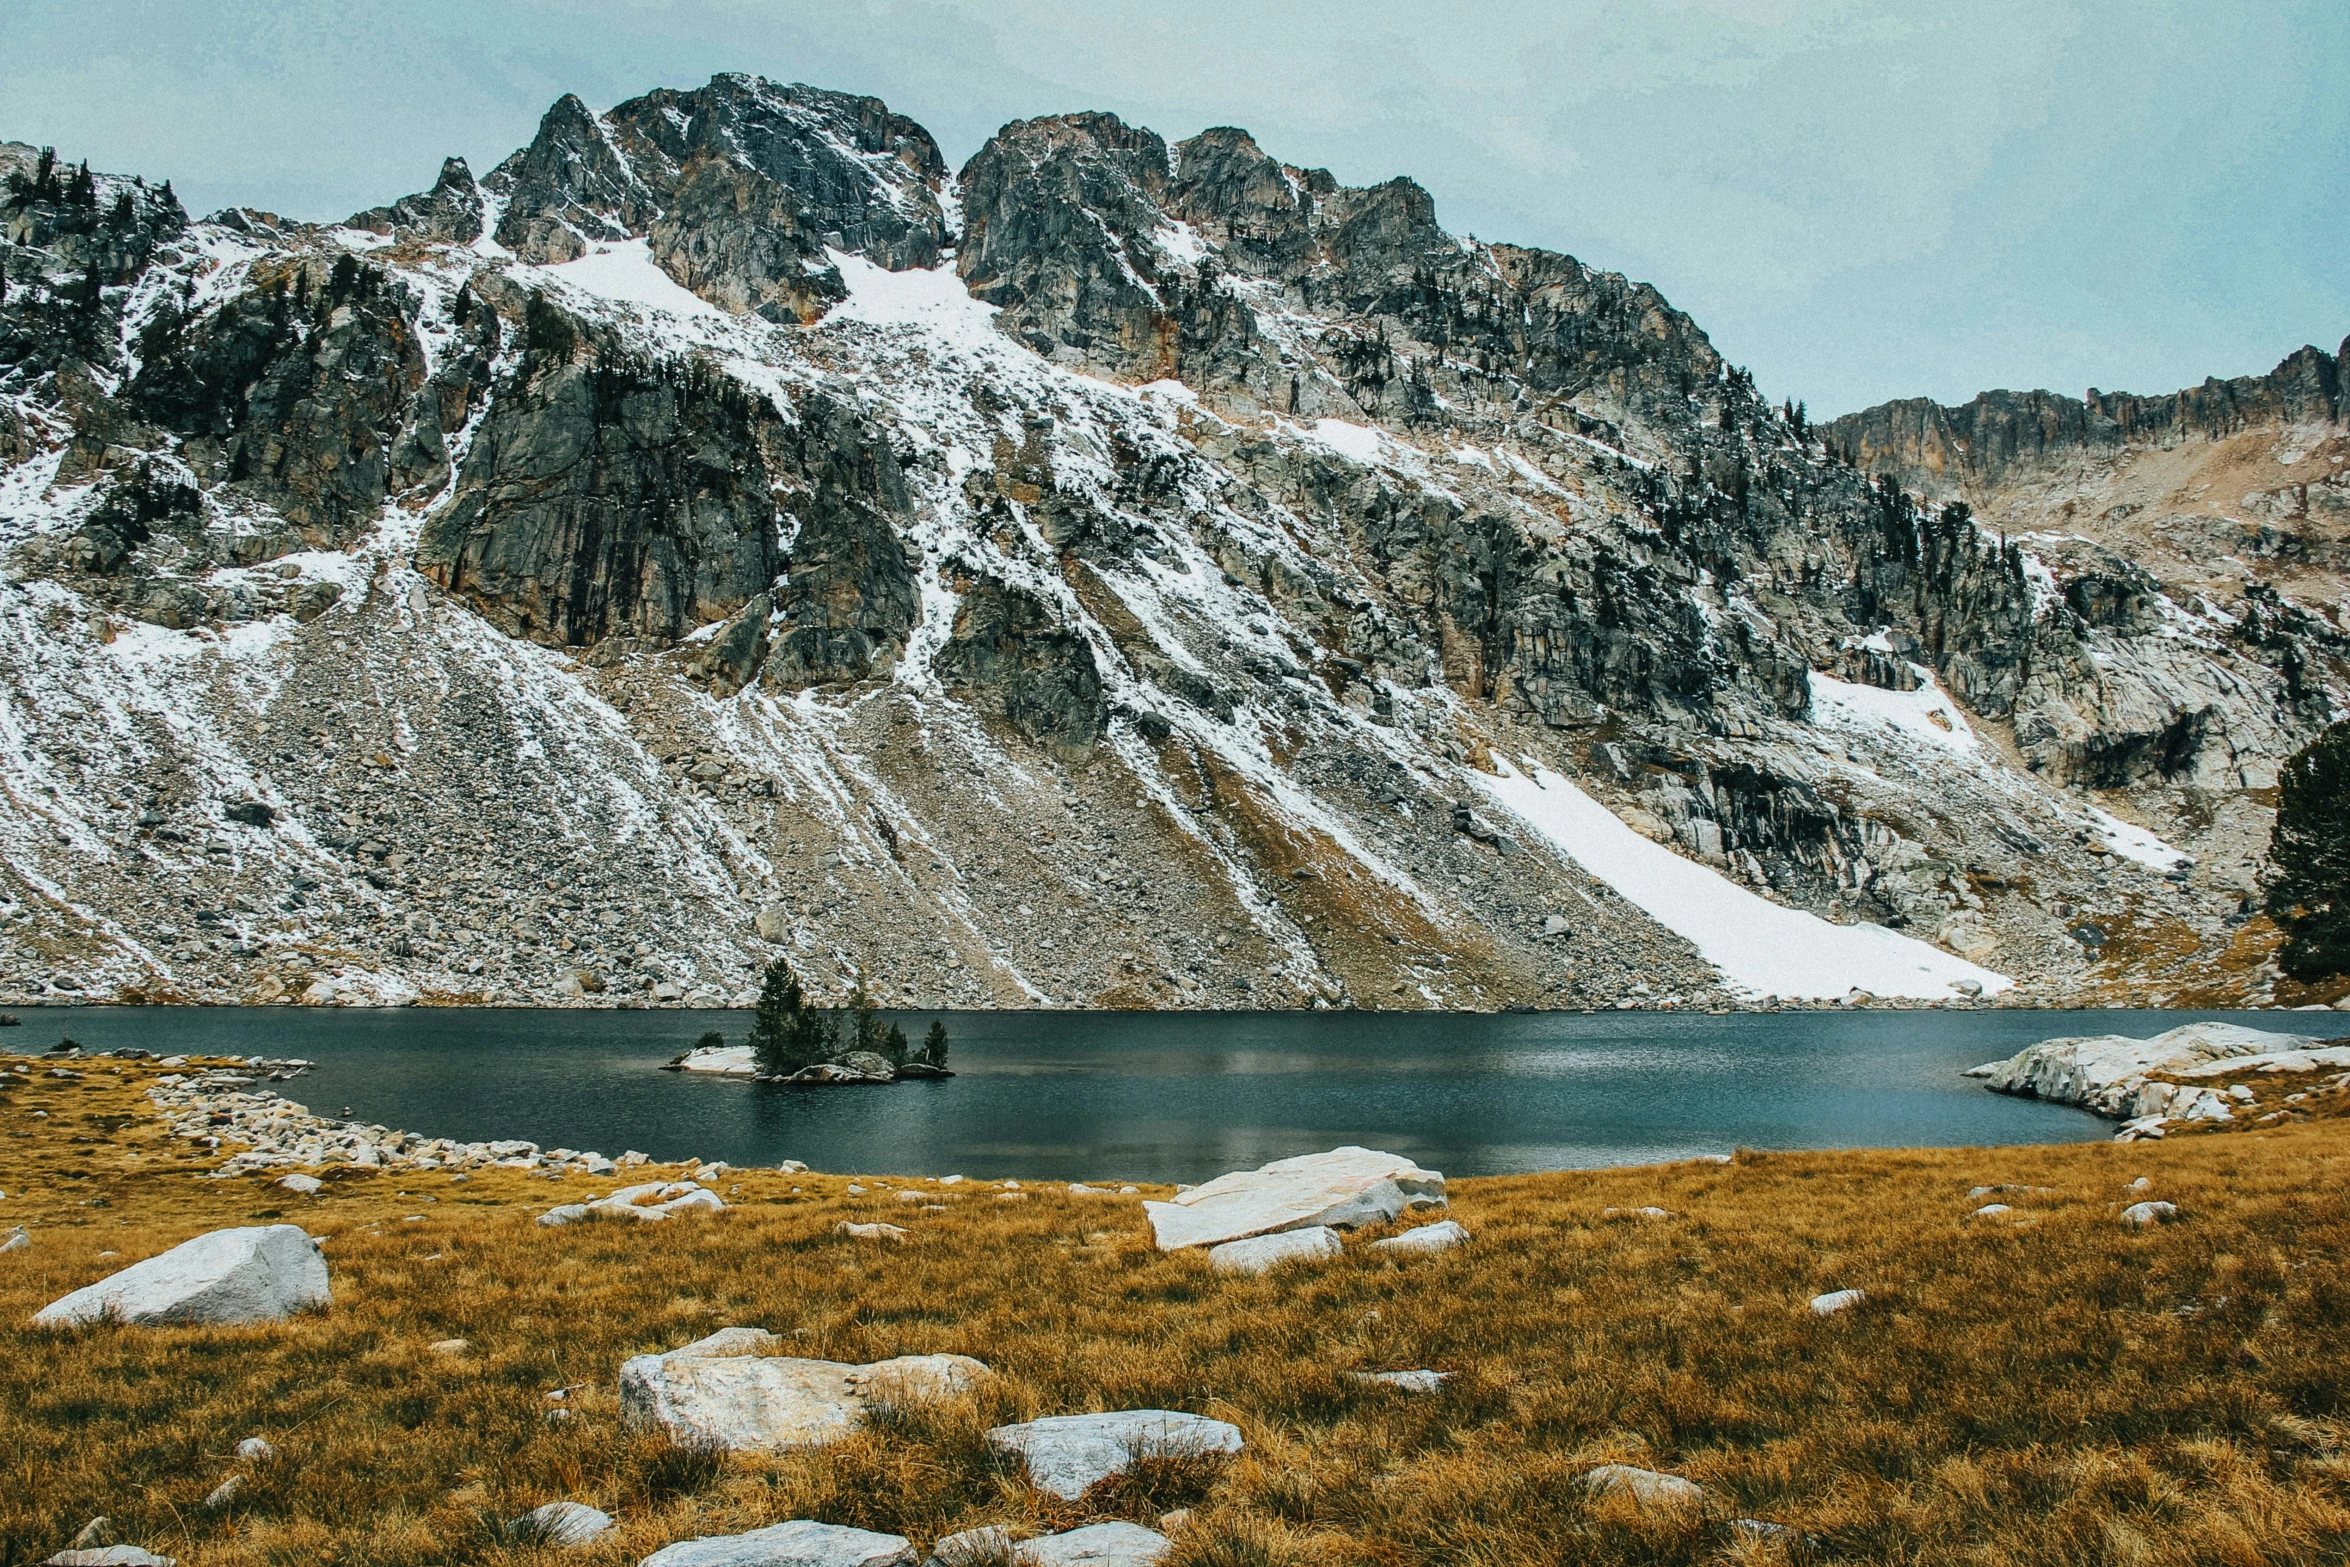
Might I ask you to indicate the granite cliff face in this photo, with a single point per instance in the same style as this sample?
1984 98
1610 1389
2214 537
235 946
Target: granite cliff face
1118 573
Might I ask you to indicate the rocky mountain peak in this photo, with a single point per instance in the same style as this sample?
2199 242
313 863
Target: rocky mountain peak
1219 586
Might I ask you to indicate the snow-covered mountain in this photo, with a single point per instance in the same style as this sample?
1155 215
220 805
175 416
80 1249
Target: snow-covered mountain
1119 574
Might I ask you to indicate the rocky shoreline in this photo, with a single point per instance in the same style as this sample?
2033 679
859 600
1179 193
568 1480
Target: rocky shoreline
2174 1079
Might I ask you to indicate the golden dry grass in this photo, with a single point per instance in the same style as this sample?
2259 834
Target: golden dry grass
2050 1389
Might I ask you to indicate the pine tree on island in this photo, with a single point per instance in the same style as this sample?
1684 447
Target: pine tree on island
788 1036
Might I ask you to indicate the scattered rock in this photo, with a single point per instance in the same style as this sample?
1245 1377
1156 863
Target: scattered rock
566 1213
1095 1545
2144 1215
1341 1189
1992 1210
18 1240
260 1274
873 1232
799 1543
256 1450
1644 1486
224 1493
1836 1300
1636 1213
989 1545
97 1534
1425 1241
111 1556
1261 1254
560 1523
1067 1455
1402 1381
449 1346
722 1389
303 1185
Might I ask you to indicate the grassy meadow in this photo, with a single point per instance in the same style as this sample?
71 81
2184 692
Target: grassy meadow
2048 1387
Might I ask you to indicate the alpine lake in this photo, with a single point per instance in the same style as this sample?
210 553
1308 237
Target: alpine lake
1164 1096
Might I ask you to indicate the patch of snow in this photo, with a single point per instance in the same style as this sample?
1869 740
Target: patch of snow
1927 714
1760 947
2134 842
932 299
1181 243
1360 442
626 274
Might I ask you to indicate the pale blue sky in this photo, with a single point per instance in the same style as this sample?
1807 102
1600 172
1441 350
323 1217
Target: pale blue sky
1859 201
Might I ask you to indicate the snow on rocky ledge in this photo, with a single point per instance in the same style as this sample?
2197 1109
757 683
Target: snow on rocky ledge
1760 946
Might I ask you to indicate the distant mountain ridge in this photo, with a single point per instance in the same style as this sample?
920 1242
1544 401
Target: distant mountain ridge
1116 573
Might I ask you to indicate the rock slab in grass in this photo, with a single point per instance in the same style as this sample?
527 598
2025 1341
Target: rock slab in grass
721 1390
561 1523
795 1544
1067 1455
1341 1189
1644 1486
1426 1241
111 1556
1402 1381
1095 1545
261 1273
1261 1254
1836 1300
2144 1215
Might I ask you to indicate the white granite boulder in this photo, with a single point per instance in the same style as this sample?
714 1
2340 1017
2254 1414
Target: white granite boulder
1261 1254
1402 1381
1341 1189
1836 1300
110 1556
1426 1241
657 1200
724 1390
799 1543
300 1184
561 1523
1067 1455
2145 1215
1095 1545
262 1273
1644 1486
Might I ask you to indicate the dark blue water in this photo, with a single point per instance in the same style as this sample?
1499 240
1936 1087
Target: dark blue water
1169 1096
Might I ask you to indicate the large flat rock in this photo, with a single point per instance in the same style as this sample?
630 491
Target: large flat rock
1067 1455
1095 1545
795 1544
1341 1189
264 1273
724 1390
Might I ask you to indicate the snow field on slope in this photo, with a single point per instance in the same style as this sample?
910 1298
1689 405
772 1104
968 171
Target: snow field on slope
625 274
2135 842
1761 948
1927 714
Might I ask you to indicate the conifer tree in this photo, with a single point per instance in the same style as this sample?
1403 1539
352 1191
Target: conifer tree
2310 849
894 1046
780 1033
934 1043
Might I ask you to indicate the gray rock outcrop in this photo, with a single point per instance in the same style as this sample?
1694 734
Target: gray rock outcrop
799 1543
724 1390
1342 1189
1068 1455
228 1277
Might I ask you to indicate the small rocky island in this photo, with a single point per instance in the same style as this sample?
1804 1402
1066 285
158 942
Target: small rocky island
793 1042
